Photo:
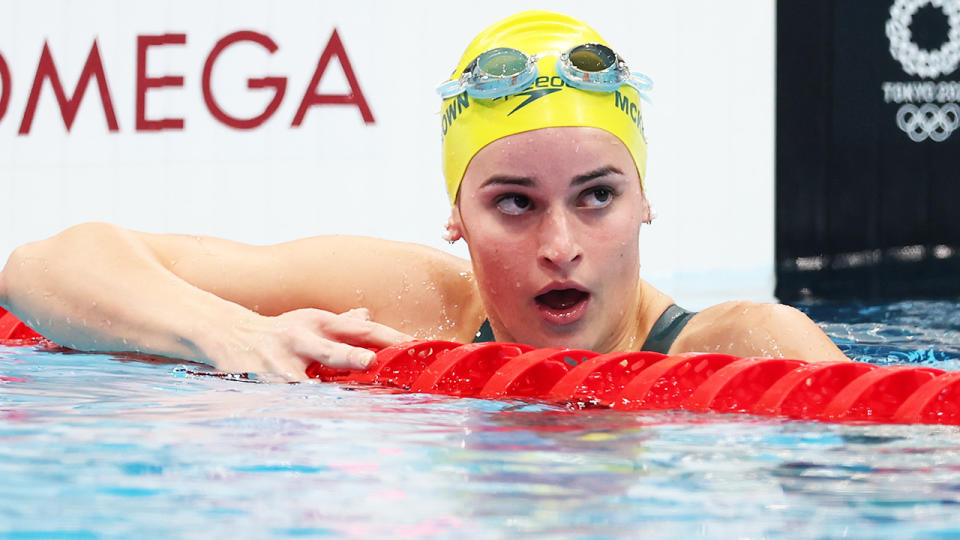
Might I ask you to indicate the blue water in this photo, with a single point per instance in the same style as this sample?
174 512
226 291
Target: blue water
96 446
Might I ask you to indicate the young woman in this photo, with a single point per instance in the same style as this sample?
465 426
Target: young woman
544 158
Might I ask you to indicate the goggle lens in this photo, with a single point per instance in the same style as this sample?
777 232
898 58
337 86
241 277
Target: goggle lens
502 62
592 57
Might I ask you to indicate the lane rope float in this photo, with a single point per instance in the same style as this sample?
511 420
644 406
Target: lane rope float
827 391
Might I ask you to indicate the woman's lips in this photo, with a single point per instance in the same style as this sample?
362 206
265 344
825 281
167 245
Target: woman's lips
562 306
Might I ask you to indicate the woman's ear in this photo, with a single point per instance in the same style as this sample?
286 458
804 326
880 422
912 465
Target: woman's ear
646 212
453 230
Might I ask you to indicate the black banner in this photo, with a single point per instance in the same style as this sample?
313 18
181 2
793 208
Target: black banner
868 149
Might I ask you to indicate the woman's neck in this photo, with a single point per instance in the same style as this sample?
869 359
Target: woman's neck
650 304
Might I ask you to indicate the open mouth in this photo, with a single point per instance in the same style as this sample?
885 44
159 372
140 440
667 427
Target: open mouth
561 299
562 306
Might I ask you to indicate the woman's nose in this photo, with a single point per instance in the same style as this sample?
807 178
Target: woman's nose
558 246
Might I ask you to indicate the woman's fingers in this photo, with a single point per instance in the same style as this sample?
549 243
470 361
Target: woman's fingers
358 313
365 333
349 357
291 341
312 347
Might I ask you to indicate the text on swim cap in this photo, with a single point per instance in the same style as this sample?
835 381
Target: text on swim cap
629 108
461 102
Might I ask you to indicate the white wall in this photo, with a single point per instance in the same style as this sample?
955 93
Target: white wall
710 129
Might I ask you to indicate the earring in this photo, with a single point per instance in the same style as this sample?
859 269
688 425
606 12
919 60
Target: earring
448 236
652 216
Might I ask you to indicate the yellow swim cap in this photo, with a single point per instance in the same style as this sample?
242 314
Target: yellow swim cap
469 124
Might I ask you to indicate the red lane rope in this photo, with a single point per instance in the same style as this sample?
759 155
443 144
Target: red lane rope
828 391
13 331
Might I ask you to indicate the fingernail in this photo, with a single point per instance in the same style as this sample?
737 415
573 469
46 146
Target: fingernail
366 359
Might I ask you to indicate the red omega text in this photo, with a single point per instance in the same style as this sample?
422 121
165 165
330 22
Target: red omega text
93 70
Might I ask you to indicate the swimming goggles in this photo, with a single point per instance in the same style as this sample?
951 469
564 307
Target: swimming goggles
504 71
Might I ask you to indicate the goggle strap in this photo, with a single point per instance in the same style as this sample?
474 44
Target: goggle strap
640 78
451 88
640 83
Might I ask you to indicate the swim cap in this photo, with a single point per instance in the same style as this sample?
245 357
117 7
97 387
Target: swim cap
469 124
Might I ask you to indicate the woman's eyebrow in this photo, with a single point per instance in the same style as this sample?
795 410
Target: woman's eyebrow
528 182
508 180
597 173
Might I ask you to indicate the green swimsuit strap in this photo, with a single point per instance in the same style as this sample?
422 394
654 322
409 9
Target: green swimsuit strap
485 333
661 337
667 328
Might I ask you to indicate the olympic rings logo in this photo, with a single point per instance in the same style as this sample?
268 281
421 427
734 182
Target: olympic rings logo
917 61
928 121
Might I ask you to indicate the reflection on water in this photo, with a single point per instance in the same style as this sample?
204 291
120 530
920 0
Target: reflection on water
92 447
910 332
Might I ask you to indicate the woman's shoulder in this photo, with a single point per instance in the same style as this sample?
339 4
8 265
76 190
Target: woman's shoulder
745 328
725 327
425 291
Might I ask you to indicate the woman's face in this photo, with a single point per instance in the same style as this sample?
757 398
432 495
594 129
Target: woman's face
551 218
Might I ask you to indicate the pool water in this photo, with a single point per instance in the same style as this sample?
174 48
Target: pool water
98 446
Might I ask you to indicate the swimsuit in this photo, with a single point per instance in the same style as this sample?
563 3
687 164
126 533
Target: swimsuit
666 329
660 338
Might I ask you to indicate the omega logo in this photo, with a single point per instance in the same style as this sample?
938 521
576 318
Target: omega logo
93 70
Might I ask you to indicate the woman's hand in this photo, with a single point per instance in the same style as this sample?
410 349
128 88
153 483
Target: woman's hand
282 347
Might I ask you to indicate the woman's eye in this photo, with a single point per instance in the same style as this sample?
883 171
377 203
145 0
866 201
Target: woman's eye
513 204
597 197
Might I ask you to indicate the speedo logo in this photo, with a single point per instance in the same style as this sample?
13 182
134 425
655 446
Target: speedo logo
541 87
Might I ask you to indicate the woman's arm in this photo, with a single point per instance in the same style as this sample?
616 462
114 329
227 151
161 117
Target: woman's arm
756 329
238 307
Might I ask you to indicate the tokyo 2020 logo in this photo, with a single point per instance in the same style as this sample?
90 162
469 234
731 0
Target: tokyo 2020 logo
929 109
917 61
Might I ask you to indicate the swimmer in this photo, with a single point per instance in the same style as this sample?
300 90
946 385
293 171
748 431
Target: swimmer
544 158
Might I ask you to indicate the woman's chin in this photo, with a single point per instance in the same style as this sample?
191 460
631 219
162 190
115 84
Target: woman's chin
565 340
